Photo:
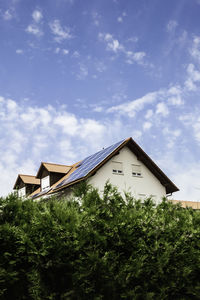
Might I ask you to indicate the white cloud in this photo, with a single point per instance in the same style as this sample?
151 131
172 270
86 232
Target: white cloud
34 29
112 44
192 120
83 72
96 18
171 136
193 69
193 78
65 51
147 125
120 19
115 46
19 51
195 49
130 108
161 108
67 122
100 66
172 97
76 54
7 15
98 109
135 57
149 114
37 16
30 135
57 50
60 33
172 24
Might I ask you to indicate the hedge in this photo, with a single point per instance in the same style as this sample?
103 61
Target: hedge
98 247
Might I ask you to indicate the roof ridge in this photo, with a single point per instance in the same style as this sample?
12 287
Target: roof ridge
43 162
26 175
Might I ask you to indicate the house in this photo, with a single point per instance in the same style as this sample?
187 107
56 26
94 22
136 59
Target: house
124 164
26 185
48 174
189 204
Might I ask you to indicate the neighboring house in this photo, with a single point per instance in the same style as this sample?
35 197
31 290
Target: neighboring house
124 164
48 174
184 204
26 185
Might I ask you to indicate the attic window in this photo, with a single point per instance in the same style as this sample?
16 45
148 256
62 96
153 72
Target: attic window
117 167
22 192
45 183
136 170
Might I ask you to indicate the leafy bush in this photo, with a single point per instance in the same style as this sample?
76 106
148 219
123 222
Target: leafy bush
98 247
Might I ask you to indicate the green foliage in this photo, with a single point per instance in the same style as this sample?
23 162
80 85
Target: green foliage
98 247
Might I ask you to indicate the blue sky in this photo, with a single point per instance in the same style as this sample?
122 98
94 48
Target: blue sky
76 76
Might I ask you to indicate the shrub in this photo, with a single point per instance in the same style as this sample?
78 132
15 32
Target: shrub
98 247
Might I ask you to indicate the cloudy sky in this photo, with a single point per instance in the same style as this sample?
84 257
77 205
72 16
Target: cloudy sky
76 76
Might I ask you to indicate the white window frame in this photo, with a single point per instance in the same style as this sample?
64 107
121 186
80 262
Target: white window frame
136 170
142 196
22 192
45 182
117 168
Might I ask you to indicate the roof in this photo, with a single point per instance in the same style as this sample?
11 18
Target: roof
55 168
184 204
88 166
151 165
51 189
27 179
37 191
98 159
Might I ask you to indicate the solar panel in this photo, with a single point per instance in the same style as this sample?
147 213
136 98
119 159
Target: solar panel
41 193
88 164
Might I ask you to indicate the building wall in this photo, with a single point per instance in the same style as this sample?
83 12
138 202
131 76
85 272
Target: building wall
140 187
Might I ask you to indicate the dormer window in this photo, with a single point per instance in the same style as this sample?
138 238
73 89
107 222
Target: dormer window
117 168
136 171
22 192
45 183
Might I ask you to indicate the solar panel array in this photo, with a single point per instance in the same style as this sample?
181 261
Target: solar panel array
88 164
41 193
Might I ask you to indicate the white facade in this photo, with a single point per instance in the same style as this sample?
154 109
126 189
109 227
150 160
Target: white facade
22 192
45 183
129 174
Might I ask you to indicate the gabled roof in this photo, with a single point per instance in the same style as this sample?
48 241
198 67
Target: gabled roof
92 163
88 166
151 165
50 190
54 168
27 179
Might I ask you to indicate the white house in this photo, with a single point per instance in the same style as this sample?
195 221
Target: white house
124 164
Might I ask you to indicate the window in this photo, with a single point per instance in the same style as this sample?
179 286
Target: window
22 192
45 183
117 167
142 196
136 170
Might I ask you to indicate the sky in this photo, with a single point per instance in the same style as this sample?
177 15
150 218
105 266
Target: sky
77 76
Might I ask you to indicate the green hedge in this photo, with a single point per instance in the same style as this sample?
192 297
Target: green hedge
94 247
